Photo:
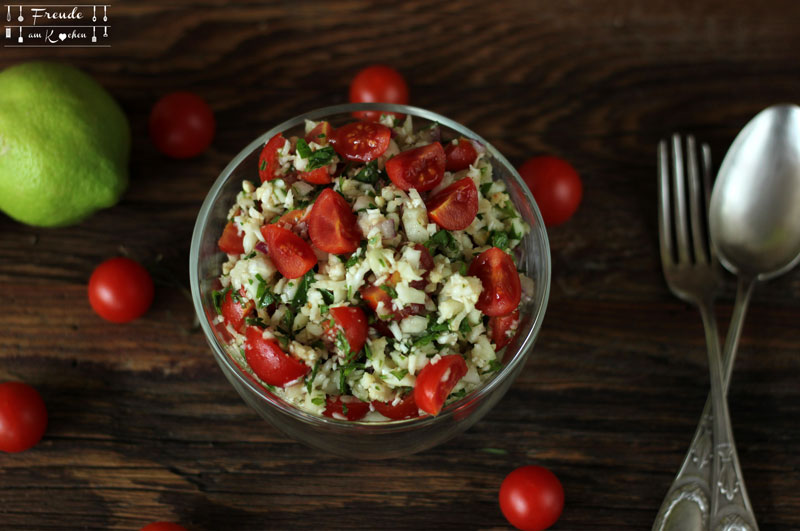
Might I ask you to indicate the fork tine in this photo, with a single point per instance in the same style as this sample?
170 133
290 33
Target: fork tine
679 201
696 204
664 213
706 154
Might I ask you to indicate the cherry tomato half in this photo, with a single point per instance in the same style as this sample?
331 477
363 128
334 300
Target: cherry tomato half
436 380
406 408
231 242
501 287
269 361
555 185
163 526
455 207
361 141
378 83
316 176
345 408
351 321
503 328
332 226
421 168
460 155
120 290
182 125
234 312
531 498
268 159
320 134
290 253
23 417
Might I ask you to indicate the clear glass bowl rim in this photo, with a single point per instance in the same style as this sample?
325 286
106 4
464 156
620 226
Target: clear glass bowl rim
389 426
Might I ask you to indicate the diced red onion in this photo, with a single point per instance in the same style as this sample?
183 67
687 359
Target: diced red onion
387 228
479 148
262 247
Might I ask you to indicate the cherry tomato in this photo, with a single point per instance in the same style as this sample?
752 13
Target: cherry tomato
352 322
425 264
23 417
345 408
268 160
120 290
380 84
320 134
291 218
531 498
374 295
421 168
501 288
317 176
361 141
455 207
231 241
269 361
181 125
332 226
292 256
436 380
406 408
460 155
503 328
163 526
234 312
555 185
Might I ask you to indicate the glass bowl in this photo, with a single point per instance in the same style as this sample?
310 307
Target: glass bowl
370 440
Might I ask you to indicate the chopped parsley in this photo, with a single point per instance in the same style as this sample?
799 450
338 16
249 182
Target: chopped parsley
369 173
399 373
499 239
301 295
255 321
389 291
485 188
316 159
508 210
249 256
303 149
494 366
318 400
327 295
344 373
217 297
288 321
461 393
264 296
310 377
367 351
464 327
443 240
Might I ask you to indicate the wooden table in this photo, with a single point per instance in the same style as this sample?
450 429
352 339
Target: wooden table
144 427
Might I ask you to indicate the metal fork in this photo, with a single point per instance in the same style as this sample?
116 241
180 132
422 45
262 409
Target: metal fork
694 274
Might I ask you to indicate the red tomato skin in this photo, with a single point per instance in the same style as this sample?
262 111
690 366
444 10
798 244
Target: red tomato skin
555 185
291 218
501 287
531 498
460 156
352 321
269 361
500 326
292 256
317 176
380 84
361 141
268 159
332 225
231 242
456 206
421 168
320 134
430 391
405 409
233 312
356 409
120 290
23 417
181 125
163 526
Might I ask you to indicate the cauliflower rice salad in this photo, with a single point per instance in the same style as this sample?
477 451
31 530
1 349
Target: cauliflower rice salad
369 273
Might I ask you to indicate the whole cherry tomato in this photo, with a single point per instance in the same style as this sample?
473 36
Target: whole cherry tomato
555 185
421 168
378 83
23 417
531 498
436 380
269 361
345 408
120 290
501 287
182 125
455 207
163 526
332 225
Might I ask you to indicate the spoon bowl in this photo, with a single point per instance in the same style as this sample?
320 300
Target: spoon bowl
754 214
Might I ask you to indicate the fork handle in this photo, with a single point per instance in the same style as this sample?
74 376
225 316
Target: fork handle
686 506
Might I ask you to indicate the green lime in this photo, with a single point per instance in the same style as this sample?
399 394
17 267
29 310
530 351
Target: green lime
64 145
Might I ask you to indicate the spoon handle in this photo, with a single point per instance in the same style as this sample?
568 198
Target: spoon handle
686 505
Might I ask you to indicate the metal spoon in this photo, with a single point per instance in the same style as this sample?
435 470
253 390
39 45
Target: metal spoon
754 223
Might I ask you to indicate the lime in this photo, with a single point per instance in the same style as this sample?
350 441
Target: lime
64 145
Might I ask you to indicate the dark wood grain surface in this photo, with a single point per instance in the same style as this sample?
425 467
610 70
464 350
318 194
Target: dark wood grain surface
143 425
